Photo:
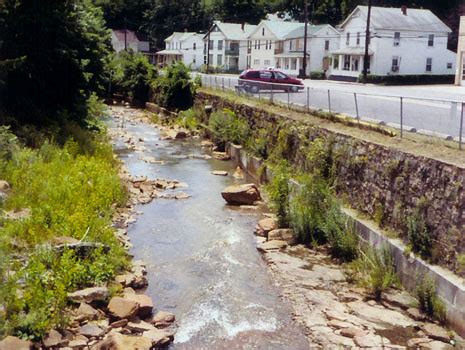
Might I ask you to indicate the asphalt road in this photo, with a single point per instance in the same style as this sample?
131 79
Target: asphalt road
429 109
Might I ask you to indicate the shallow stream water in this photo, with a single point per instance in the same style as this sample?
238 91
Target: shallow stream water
201 254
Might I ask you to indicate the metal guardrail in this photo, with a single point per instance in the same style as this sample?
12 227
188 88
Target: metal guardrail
442 118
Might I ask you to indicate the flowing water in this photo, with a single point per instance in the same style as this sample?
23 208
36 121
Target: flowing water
201 254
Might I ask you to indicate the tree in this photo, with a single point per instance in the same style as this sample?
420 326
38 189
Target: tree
239 11
61 47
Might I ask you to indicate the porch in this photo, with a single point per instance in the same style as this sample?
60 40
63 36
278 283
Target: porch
349 63
167 57
291 62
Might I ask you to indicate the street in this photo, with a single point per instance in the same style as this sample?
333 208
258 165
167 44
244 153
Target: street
428 109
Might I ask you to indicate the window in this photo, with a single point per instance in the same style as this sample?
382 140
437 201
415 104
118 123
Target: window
396 38
326 45
180 45
395 64
255 44
220 44
204 59
249 44
293 63
253 74
263 31
194 61
266 74
358 38
267 63
212 46
219 60
449 65
290 45
346 62
348 39
204 48
429 64
259 44
256 62
280 76
336 62
194 46
431 40
210 58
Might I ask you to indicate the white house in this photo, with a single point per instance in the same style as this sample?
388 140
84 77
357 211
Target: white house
402 41
228 46
280 44
460 71
182 46
128 40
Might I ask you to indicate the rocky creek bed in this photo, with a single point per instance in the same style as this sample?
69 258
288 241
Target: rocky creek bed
200 279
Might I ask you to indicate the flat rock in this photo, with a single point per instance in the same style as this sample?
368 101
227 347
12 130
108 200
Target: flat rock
221 156
162 319
339 324
435 345
14 343
139 326
119 324
379 315
53 339
415 342
220 173
64 240
91 330
241 194
266 225
352 332
400 299
87 311
416 314
21 214
370 340
118 341
159 336
123 308
78 343
282 234
144 301
435 332
89 295
271 246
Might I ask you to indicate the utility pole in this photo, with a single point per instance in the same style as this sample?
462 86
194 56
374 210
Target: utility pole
125 35
366 58
208 51
304 66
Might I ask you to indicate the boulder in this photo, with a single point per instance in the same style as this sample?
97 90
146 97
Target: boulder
123 308
159 337
352 332
239 174
416 314
221 156
139 326
220 173
271 246
282 234
53 339
370 340
87 312
162 319
89 295
403 299
266 225
206 144
435 332
90 330
241 194
119 324
4 185
21 214
118 341
144 301
14 343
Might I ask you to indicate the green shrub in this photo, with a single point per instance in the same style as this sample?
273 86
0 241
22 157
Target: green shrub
410 79
189 119
132 75
258 144
317 75
174 89
341 234
418 234
428 301
278 191
8 143
225 126
375 270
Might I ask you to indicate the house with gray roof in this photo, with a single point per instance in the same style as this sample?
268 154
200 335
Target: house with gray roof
402 41
182 46
225 46
280 44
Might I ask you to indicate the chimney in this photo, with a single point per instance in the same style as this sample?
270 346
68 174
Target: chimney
242 26
404 10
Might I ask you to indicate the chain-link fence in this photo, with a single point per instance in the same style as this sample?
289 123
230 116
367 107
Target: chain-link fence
435 117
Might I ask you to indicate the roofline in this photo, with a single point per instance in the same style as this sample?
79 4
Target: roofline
264 23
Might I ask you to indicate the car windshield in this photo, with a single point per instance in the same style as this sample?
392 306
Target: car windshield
279 75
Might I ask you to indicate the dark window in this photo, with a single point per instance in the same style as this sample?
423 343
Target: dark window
429 64
431 40
358 38
396 38
326 45
253 74
266 74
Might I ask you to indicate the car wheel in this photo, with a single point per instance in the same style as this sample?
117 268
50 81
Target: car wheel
254 89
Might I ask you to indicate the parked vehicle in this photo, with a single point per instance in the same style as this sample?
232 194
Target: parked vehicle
255 80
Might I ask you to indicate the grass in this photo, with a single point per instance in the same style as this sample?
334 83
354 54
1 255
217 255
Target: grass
69 190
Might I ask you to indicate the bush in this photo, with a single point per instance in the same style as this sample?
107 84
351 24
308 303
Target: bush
341 234
418 234
318 75
225 126
410 79
278 191
375 270
258 144
428 301
132 75
174 89
189 119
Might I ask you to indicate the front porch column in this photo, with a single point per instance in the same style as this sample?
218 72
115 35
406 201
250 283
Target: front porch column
341 63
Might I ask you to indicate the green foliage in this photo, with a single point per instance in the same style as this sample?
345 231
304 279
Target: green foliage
375 270
258 144
8 143
60 49
69 191
412 79
189 119
174 89
429 301
418 234
225 126
132 75
278 191
341 234
317 75
320 156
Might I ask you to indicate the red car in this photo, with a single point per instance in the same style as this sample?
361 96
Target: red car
255 80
